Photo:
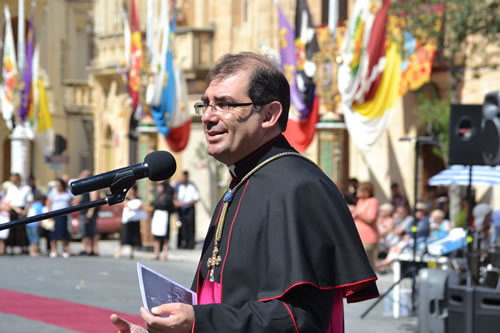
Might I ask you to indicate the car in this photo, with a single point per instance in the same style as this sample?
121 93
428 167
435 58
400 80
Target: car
109 220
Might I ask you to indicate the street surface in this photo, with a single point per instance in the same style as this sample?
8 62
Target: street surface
78 294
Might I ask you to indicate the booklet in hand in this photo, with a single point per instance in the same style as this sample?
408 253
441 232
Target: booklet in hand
157 289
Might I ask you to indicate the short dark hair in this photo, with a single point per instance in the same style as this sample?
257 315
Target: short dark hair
267 82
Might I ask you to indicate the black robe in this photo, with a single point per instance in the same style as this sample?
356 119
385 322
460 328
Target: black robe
289 244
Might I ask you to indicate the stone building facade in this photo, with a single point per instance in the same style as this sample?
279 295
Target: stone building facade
63 31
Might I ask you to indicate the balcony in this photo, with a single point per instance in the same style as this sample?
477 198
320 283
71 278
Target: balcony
194 50
110 54
77 97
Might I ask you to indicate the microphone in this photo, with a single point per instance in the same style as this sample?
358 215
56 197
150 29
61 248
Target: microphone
158 165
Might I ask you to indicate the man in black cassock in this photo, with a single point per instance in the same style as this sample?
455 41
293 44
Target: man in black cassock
282 250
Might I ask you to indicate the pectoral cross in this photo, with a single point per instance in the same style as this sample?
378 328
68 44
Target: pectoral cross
215 260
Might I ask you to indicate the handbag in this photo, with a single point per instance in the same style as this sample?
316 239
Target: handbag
48 224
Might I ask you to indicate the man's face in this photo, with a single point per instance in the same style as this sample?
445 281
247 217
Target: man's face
234 133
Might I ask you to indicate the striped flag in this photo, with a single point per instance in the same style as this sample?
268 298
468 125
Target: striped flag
135 60
159 54
33 108
352 71
20 35
162 114
366 122
39 114
376 56
297 67
25 95
178 135
45 136
9 72
126 40
369 76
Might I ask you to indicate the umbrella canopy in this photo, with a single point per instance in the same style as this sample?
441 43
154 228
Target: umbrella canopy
459 175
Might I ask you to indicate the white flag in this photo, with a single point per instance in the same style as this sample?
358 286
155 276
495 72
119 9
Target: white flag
159 63
9 71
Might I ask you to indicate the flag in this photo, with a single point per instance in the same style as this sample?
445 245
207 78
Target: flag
44 134
149 27
354 67
33 108
306 45
135 58
367 121
126 40
20 34
297 67
162 114
39 114
9 71
417 71
416 67
159 54
25 94
376 56
180 128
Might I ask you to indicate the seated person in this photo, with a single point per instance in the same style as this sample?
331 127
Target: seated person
385 225
402 222
406 243
439 226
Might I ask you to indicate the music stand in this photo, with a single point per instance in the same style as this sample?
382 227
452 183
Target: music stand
414 267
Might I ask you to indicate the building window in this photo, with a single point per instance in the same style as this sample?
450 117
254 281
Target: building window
240 12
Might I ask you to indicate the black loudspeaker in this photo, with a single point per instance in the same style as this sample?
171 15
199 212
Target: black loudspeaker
465 141
486 310
460 309
490 126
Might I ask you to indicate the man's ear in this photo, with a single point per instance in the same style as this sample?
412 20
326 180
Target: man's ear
272 113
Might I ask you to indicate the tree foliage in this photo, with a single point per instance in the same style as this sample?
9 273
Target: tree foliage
433 115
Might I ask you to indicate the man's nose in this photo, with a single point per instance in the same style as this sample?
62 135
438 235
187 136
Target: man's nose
209 114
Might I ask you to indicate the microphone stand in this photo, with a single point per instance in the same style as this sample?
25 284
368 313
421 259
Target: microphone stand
123 182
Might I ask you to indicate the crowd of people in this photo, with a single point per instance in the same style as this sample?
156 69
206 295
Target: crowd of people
20 199
388 229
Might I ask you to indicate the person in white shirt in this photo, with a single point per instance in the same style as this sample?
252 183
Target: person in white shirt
187 196
132 215
59 198
18 198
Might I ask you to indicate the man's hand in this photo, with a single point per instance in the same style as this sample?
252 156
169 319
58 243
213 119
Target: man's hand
180 319
125 326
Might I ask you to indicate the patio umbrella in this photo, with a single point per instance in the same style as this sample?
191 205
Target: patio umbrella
459 175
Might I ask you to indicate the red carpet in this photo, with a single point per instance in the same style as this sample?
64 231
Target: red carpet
64 314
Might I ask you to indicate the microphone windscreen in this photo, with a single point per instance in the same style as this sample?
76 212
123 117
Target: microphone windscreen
161 165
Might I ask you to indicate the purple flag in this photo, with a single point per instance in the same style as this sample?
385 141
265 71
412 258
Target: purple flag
25 96
288 60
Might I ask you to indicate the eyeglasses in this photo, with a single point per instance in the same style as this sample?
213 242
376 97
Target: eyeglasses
201 107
